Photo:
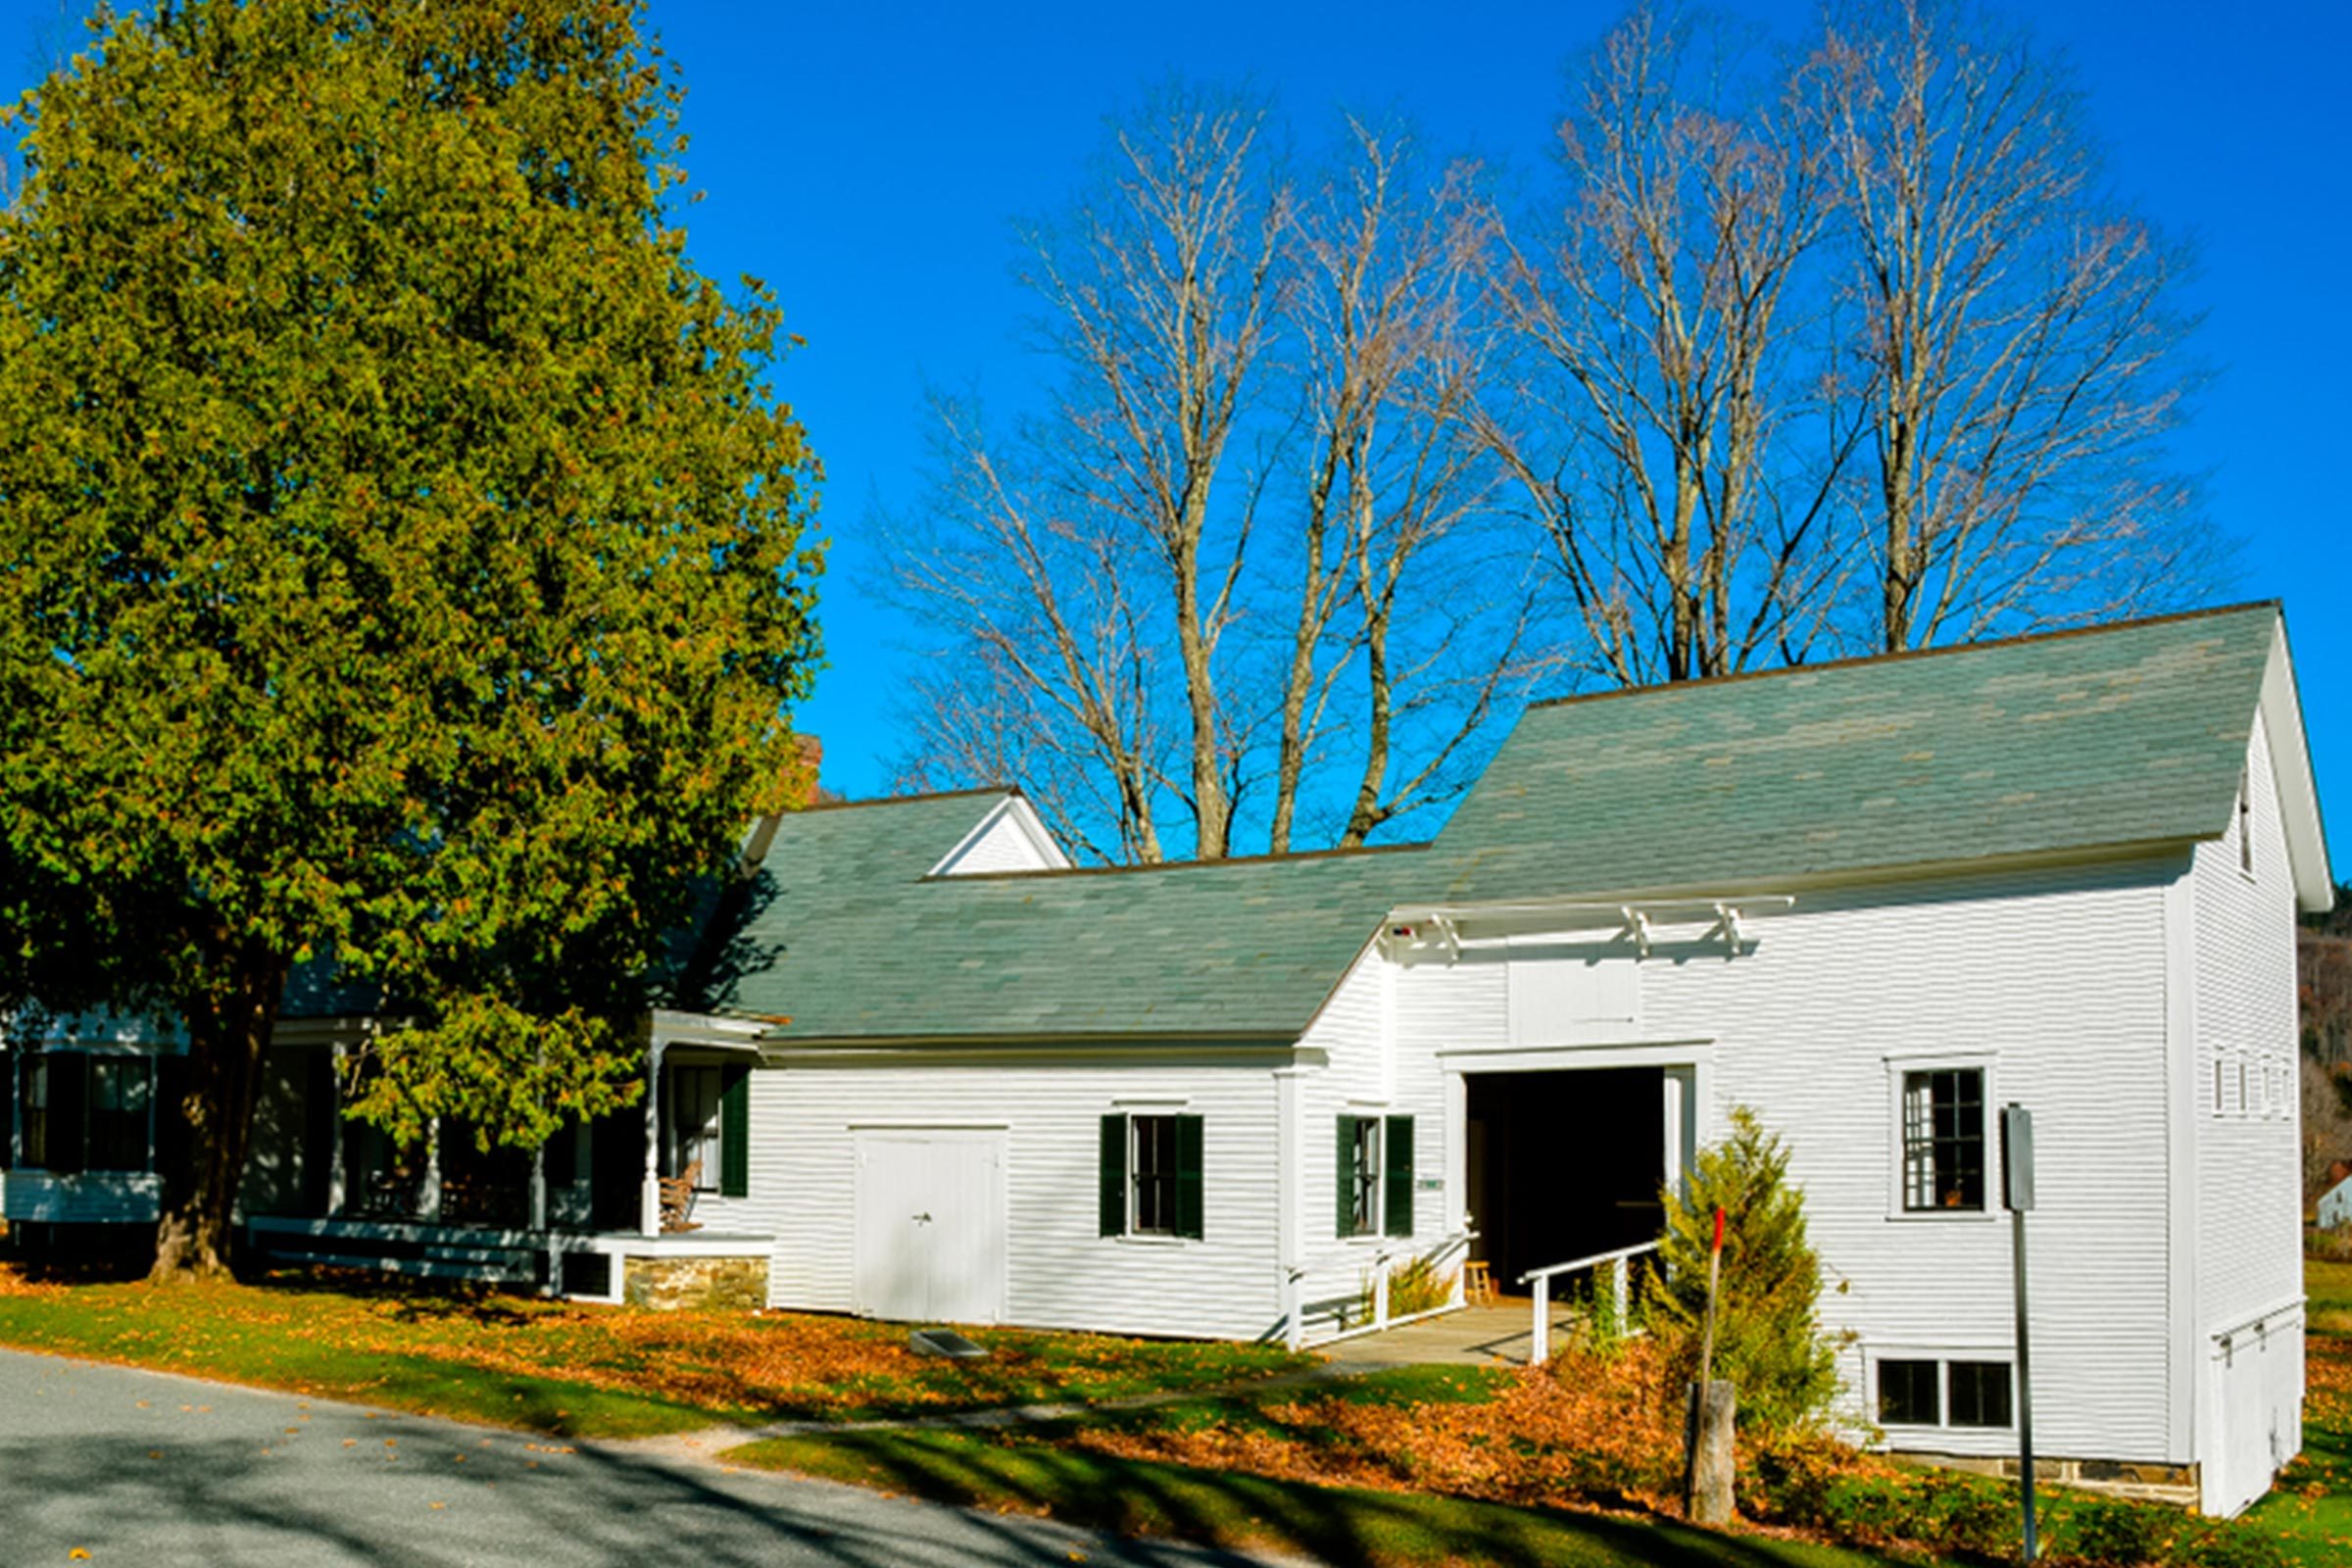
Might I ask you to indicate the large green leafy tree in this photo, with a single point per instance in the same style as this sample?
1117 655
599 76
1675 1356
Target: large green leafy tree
400 559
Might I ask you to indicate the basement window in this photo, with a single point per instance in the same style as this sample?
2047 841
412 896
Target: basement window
1930 1391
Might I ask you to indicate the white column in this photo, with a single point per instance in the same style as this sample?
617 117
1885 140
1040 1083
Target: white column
649 1215
336 1176
428 1201
1289 1178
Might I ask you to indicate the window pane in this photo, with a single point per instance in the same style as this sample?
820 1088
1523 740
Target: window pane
1944 1139
1363 1193
1980 1394
694 1124
1907 1393
1153 1210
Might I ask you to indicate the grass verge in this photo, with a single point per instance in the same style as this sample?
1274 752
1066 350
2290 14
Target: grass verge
583 1371
2310 1513
1337 1525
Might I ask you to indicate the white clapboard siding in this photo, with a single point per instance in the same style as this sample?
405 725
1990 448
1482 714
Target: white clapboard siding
2248 1158
1059 1271
1358 1070
2055 981
2248 1152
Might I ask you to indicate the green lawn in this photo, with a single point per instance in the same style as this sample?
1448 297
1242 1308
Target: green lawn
2310 1515
1334 1524
585 1371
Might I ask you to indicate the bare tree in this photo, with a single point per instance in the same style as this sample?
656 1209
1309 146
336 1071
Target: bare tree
1681 460
2020 328
1391 480
1210 578
1048 614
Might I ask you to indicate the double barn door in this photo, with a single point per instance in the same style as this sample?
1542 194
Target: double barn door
931 1225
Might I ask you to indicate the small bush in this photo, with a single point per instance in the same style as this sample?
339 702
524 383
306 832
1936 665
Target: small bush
1418 1286
1768 1338
2119 1533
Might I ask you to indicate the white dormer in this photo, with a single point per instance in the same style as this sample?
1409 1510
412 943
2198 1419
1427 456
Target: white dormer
1011 837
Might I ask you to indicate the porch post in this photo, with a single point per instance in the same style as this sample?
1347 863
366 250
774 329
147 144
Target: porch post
336 1177
1538 1345
428 1201
649 1208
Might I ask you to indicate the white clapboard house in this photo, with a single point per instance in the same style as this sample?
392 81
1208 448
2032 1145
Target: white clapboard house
926 1070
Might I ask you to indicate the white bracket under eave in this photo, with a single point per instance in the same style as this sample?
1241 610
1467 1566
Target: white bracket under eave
1421 933
1636 926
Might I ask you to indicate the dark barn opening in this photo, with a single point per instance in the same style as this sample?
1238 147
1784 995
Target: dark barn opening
1563 1164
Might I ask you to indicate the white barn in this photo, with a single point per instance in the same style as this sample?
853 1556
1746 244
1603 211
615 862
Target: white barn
927 1069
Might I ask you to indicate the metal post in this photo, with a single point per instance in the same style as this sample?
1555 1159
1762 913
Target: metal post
2017 1195
1538 1349
1380 1294
2024 1388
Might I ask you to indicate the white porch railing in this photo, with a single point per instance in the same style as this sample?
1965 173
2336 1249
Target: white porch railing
1621 1265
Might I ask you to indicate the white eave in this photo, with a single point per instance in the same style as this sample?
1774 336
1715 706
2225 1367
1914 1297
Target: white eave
1450 927
2298 794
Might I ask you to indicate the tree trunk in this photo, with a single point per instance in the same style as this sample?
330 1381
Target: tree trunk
202 1135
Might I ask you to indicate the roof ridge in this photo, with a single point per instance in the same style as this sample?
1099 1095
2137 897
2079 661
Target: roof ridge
915 799
1910 655
1149 866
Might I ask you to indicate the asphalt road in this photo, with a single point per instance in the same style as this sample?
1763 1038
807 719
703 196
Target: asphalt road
145 1469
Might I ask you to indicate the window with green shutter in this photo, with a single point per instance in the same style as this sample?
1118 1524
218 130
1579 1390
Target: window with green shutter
1374 1175
1151 1176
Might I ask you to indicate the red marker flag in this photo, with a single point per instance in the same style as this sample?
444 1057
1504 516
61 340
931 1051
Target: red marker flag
1718 1247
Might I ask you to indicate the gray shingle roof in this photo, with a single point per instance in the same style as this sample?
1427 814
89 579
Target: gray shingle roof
842 934
2124 735
2121 735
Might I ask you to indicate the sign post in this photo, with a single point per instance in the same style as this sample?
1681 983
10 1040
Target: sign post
2016 1194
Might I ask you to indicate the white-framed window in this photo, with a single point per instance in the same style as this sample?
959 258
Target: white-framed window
1942 1129
120 1087
2246 826
1151 1185
1962 1389
696 1127
1152 1168
1375 1175
1359 1201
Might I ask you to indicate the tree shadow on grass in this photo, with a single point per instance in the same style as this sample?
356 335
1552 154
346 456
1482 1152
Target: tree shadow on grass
1344 1526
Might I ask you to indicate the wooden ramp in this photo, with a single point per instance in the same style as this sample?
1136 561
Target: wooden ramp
1475 1336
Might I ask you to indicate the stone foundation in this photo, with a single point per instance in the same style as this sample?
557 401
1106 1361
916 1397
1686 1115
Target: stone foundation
694 1284
2114 1478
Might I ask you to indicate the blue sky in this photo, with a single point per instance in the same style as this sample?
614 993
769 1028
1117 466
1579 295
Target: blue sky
867 161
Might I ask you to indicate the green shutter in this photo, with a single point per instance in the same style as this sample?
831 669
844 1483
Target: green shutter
735 1134
1114 1175
8 1118
1397 1151
1346 1174
1188 1177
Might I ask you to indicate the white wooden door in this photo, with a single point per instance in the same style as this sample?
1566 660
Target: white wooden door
931 1225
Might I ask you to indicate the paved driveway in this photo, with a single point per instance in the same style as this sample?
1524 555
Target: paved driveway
150 1470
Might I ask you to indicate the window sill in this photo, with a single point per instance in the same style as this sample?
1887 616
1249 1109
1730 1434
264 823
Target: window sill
1944 1216
1132 1239
1901 1436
